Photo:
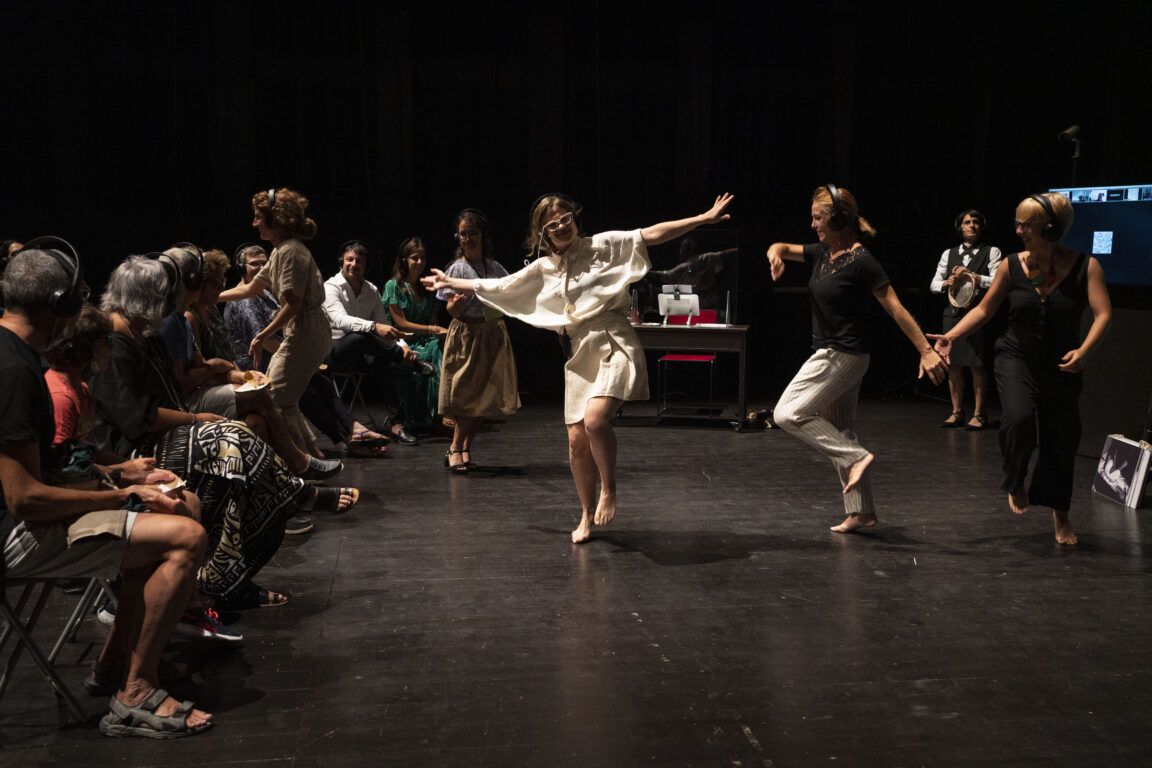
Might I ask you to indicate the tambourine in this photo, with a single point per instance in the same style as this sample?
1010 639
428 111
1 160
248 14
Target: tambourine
963 290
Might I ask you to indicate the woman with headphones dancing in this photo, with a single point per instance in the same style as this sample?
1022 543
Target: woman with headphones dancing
478 372
1040 356
819 405
580 289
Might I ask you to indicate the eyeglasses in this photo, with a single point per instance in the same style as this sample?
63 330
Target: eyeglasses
467 235
1024 225
563 221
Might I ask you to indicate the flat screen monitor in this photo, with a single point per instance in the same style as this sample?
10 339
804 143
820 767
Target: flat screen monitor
1114 224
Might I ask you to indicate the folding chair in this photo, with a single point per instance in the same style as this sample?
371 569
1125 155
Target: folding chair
670 361
22 629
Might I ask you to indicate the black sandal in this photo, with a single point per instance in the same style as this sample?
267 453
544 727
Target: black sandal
328 499
456 469
980 417
957 420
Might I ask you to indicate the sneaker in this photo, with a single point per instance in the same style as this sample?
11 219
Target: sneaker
321 469
423 367
205 623
298 524
106 614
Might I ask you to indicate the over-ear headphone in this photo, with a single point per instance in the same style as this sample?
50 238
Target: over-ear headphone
475 213
77 352
272 198
171 271
572 204
193 280
239 259
64 302
974 214
1054 229
837 219
351 244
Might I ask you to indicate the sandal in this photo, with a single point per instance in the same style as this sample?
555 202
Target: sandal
954 421
982 424
328 499
142 719
361 437
252 596
456 469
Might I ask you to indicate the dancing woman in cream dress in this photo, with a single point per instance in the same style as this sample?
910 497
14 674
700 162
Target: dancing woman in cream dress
579 288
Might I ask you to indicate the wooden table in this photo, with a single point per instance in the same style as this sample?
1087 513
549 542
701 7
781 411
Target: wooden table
701 338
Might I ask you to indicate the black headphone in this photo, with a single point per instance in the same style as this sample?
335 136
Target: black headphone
63 302
837 219
1053 230
77 352
239 259
193 280
351 244
974 214
475 213
572 204
171 270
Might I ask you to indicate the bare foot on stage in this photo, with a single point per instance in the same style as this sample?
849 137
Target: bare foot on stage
852 522
583 531
606 509
1018 501
856 473
1064 534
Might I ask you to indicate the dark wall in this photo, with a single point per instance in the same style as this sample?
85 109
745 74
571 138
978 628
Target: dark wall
131 126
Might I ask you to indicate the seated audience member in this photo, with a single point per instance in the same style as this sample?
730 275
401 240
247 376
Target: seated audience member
208 326
74 411
248 494
321 404
211 385
362 339
51 532
415 310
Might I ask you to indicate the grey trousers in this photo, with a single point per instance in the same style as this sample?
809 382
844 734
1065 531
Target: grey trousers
819 407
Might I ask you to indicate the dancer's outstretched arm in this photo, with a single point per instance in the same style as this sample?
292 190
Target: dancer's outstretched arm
670 230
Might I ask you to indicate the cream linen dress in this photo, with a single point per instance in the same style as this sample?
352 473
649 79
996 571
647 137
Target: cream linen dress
585 293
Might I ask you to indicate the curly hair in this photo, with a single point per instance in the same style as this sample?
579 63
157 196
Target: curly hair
215 264
288 212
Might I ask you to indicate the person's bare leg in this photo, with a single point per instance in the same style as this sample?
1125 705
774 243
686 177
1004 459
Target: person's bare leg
856 472
602 441
956 391
980 392
159 568
1064 533
585 474
275 431
1018 501
468 427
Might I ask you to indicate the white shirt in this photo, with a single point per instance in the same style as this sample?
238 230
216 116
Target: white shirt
994 257
348 311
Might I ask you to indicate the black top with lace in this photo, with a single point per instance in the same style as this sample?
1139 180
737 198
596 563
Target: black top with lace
842 300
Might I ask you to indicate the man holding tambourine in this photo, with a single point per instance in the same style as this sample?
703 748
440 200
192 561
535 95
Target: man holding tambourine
964 273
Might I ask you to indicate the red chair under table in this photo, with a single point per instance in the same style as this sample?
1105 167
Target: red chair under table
705 316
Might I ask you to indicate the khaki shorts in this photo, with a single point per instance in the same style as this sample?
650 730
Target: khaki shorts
90 545
220 400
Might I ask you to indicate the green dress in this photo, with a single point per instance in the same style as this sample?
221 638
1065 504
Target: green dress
418 394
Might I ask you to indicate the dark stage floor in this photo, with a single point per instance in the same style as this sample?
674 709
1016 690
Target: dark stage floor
449 621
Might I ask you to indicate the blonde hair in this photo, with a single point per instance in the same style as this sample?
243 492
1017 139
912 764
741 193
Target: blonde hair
822 197
1032 211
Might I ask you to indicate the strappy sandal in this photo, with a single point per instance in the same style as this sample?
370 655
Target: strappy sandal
980 417
328 499
142 719
359 438
456 469
957 420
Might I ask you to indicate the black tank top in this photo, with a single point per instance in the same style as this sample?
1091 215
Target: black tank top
1044 328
